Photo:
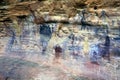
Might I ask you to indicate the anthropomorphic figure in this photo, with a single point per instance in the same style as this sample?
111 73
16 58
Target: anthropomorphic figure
12 33
94 54
45 35
83 20
118 22
12 39
104 16
85 46
94 58
58 52
107 48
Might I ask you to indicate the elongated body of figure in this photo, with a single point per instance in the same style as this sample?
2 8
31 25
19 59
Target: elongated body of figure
45 36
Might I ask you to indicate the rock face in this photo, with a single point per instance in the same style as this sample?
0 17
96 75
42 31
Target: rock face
53 7
66 9
75 3
106 3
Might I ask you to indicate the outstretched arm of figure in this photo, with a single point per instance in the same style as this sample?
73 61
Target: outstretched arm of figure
107 15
